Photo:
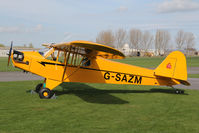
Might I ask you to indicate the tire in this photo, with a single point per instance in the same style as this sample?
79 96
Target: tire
45 93
38 87
179 91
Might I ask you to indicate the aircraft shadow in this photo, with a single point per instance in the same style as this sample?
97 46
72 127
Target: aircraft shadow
93 95
89 94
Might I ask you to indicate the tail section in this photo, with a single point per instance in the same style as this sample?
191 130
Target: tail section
174 66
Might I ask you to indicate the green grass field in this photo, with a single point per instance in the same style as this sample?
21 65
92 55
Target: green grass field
4 67
193 75
98 108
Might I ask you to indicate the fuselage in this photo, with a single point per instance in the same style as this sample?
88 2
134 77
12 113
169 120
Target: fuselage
100 70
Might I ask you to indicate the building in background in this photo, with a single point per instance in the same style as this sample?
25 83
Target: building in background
5 50
127 51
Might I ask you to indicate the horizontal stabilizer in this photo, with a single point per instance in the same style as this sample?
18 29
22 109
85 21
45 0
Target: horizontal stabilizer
184 82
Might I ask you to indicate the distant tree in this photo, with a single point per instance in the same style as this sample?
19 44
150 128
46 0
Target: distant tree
180 39
1 45
24 46
162 40
147 40
30 45
106 38
189 43
190 40
120 38
135 38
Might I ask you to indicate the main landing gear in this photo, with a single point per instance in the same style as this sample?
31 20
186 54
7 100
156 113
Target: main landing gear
39 87
44 93
178 91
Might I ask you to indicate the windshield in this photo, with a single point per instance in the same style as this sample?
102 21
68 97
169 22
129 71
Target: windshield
44 51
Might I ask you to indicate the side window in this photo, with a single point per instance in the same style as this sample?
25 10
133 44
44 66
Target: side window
54 55
61 56
76 57
85 62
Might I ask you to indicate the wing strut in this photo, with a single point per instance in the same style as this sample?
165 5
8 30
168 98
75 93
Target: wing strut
79 66
66 62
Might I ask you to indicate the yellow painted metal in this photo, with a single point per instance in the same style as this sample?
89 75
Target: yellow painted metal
99 49
105 71
51 84
45 94
170 72
174 66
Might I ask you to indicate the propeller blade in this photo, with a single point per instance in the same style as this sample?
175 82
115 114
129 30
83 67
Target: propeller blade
8 60
9 54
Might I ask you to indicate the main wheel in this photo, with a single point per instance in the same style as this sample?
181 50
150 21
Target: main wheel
45 93
38 87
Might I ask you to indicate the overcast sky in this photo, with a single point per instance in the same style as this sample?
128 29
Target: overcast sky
54 21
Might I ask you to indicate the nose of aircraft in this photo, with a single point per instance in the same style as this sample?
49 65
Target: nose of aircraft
18 56
20 59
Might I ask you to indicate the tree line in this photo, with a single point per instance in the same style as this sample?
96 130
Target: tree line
144 40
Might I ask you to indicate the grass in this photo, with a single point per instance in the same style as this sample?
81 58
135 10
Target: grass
4 67
98 108
193 61
193 75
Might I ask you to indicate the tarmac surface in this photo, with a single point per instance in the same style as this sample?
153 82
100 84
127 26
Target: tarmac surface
20 76
193 70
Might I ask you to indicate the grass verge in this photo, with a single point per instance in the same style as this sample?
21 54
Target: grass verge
4 67
193 75
89 108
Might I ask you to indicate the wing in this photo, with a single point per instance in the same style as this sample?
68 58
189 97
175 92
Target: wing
97 49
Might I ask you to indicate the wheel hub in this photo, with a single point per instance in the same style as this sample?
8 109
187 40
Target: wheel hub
45 94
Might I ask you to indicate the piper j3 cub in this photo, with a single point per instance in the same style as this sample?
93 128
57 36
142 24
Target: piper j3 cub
87 62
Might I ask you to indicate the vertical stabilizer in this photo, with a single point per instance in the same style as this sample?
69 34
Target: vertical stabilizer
174 66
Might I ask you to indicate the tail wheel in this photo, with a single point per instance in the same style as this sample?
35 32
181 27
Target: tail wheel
38 87
45 93
179 92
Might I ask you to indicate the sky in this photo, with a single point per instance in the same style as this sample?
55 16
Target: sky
55 21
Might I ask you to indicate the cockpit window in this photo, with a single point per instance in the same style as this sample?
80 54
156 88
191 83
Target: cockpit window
73 56
44 51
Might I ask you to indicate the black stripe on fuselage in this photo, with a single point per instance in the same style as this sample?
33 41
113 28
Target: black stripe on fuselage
49 63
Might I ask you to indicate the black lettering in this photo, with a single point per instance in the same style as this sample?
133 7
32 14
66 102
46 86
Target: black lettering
131 78
138 81
124 78
107 76
118 77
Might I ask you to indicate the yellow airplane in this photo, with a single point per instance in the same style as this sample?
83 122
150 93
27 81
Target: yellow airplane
87 62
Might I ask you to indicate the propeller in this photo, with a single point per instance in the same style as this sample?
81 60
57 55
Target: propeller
9 54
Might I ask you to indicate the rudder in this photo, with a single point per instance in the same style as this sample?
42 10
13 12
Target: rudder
174 66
